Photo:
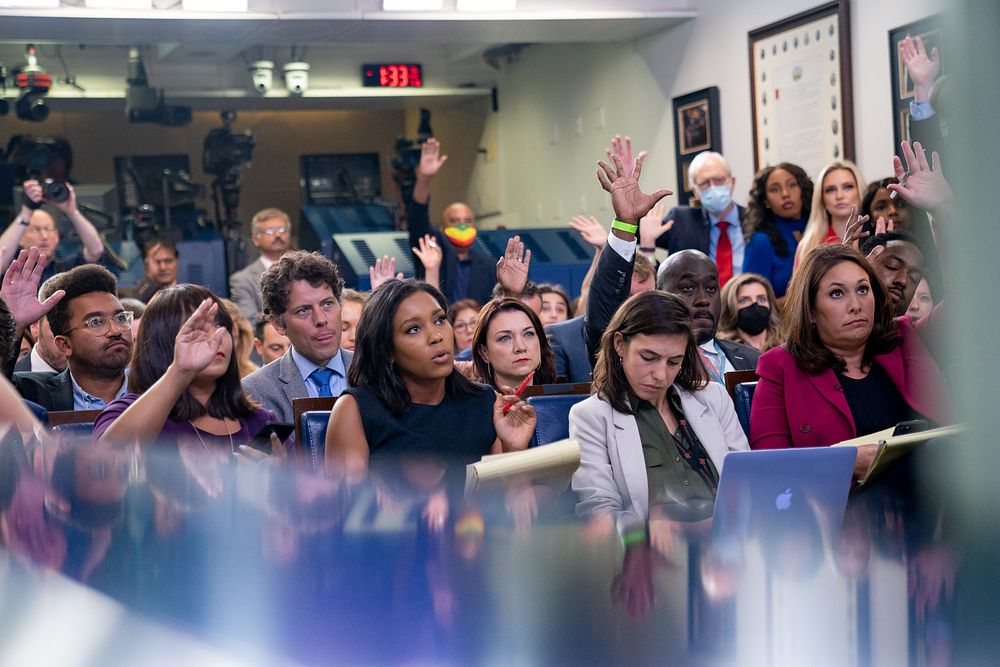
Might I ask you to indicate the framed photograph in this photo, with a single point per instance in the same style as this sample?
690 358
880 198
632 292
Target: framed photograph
930 31
801 89
696 129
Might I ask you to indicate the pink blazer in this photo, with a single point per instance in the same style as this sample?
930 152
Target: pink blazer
794 409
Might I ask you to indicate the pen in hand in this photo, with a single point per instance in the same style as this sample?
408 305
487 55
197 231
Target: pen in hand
527 381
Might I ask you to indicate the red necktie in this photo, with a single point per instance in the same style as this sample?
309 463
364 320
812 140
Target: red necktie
724 254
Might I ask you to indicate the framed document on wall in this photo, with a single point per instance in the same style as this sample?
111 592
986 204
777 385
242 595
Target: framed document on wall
931 32
697 128
801 91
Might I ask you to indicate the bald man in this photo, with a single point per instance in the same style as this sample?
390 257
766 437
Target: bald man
467 272
694 277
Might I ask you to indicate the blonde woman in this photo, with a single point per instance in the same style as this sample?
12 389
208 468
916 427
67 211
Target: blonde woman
837 194
750 312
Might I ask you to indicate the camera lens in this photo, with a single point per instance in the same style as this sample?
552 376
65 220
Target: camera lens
56 192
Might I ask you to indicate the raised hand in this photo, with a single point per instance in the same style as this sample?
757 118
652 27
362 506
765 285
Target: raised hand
431 159
623 149
199 339
33 191
629 202
923 70
383 271
592 231
925 186
854 228
19 289
512 269
652 225
514 429
429 252
67 206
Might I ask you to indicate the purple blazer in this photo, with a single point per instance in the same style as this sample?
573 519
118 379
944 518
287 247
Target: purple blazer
792 408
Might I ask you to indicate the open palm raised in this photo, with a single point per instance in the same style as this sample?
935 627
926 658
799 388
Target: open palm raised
629 202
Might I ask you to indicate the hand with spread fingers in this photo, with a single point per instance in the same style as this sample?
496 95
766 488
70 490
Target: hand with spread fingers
383 271
923 70
921 184
629 202
590 228
512 268
19 290
653 226
431 159
199 339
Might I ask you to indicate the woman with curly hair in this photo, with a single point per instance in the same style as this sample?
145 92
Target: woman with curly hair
776 218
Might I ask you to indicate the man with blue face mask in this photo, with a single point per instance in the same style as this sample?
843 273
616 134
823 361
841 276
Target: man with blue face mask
715 227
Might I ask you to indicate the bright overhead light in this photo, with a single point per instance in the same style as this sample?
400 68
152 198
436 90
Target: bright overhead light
214 5
486 5
30 4
119 4
411 5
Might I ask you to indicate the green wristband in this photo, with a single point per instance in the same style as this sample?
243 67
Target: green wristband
634 537
624 227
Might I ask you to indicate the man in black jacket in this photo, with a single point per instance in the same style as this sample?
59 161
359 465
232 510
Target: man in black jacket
467 272
90 328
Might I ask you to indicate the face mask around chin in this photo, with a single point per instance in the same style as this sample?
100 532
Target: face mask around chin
753 319
717 198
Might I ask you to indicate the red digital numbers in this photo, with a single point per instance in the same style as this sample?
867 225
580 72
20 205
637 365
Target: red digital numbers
400 76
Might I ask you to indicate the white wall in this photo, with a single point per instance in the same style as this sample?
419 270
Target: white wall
561 104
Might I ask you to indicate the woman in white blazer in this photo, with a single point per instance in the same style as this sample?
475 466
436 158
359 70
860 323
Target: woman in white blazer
648 369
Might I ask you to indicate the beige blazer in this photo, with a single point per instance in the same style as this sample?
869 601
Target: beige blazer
612 473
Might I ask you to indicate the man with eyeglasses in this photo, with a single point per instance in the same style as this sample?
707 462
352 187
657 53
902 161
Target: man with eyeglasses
89 326
715 227
37 225
270 231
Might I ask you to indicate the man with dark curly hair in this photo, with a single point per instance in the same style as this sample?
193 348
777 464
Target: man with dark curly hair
90 328
301 296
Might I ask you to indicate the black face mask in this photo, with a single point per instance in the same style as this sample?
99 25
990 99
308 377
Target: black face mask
753 319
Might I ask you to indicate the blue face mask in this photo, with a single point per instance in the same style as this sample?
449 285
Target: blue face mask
716 199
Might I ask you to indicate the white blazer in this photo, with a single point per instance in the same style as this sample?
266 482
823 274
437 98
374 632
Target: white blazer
612 473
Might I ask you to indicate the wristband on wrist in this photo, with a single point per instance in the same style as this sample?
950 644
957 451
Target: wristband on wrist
624 227
647 249
634 536
24 222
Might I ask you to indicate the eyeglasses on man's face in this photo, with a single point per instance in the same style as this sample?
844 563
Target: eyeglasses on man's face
271 231
99 324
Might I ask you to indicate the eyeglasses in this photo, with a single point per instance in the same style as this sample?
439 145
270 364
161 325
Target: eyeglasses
271 231
99 324
715 180
468 325
39 229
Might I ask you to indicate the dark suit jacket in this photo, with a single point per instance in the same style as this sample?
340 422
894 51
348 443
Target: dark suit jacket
23 365
741 357
482 273
52 391
569 346
792 408
609 288
690 230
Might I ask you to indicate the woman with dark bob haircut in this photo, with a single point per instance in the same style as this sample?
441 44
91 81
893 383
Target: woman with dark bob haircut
776 217
407 398
848 368
184 378
508 344
655 431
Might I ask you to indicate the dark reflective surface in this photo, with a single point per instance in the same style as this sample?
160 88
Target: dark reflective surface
256 559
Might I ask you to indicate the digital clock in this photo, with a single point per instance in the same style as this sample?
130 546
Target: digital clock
392 75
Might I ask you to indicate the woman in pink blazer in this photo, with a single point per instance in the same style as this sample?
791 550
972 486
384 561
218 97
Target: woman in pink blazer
848 368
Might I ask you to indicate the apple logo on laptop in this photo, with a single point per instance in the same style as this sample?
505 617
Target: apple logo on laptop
783 500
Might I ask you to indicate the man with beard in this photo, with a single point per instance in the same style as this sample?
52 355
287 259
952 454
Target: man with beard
89 326
900 266
270 231
694 277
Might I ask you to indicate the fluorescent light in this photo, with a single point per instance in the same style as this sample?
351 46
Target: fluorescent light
30 4
486 5
411 5
119 4
214 5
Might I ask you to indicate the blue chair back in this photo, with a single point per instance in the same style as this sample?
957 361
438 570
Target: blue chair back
41 414
553 417
314 436
742 398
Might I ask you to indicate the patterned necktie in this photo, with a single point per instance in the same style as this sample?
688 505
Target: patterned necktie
724 254
321 377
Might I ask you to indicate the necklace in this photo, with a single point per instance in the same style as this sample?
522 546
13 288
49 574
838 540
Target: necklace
225 423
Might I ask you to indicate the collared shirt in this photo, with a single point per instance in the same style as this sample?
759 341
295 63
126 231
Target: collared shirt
921 110
735 233
39 365
338 383
714 353
84 401
266 262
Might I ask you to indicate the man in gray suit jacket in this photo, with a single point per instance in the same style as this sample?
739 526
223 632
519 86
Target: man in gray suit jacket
301 297
270 231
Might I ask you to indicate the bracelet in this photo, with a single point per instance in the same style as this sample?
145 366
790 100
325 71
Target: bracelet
634 537
624 227
24 223
647 249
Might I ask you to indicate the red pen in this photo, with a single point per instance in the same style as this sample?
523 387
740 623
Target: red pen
524 384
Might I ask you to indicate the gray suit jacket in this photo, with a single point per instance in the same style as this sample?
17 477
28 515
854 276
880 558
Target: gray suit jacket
276 384
569 347
244 290
612 473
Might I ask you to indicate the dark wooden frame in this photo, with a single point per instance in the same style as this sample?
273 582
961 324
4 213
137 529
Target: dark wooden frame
558 389
931 25
841 9
683 156
60 417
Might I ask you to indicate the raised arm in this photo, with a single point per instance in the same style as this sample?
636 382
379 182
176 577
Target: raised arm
418 217
197 343
93 247
11 237
19 290
512 268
